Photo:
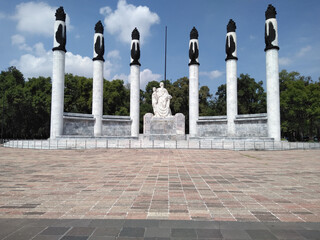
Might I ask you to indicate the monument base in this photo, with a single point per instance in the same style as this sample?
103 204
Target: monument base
169 128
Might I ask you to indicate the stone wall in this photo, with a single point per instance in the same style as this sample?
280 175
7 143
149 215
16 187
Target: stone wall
248 125
252 125
116 126
212 126
78 124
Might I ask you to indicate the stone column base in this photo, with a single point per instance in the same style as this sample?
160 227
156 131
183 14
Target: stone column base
170 128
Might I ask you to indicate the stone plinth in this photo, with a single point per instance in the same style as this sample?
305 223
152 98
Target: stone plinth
170 128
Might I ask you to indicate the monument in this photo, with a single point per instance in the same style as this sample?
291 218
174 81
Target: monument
161 102
135 83
193 82
58 72
231 75
232 131
162 125
272 73
97 84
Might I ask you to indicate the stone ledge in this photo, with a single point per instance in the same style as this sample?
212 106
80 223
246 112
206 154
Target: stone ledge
77 115
211 119
129 143
115 117
167 137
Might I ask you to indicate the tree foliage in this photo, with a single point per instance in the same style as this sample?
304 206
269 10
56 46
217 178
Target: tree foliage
299 106
251 96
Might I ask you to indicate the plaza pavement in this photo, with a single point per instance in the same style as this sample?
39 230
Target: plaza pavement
159 194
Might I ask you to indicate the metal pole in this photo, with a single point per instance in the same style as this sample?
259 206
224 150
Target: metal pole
2 122
165 56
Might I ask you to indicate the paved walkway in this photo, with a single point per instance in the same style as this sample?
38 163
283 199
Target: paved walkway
67 229
247 191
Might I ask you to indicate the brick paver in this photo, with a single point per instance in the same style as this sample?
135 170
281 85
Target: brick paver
216 185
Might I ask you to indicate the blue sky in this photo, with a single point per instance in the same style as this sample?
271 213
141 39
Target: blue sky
27 36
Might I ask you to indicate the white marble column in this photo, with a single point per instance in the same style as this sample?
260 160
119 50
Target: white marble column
58 72
193 99
272 74
135 83
193 82
97 86
231 69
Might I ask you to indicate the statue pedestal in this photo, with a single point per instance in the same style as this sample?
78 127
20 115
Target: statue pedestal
169 128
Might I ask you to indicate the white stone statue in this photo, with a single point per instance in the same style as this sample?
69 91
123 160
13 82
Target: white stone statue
161 102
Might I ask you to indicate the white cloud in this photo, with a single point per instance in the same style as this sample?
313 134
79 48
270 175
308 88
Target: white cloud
299 56
39 62
303 51
33 66
212 75
121 76
39 49
114 54
36 18
20 41
17 39
126 17
78 65
105 10
284 61
147 76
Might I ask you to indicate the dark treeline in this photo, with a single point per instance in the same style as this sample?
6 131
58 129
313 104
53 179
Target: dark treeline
25 105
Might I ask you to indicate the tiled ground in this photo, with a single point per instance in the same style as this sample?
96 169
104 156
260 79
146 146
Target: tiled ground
160 184
72 229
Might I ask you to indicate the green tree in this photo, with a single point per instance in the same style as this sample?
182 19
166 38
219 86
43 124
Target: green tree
38 103
13 106
299 105
179 91
221 100
251 96
78 94
206 104
116 98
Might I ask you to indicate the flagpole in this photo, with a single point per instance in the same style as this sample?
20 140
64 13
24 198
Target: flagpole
165 56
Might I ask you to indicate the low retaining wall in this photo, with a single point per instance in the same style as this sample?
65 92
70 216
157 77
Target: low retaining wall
238 145
252 125
247 125
212 126
116 126
78 124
